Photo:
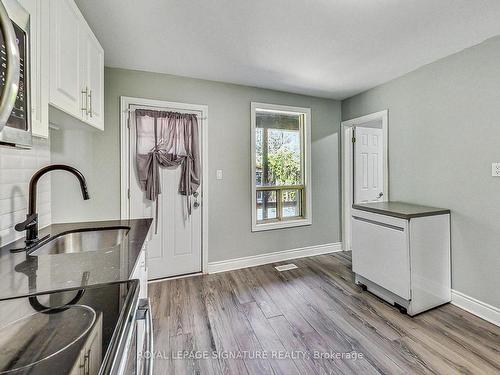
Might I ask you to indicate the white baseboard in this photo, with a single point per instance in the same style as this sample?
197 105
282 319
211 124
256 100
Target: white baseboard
476 307
278 256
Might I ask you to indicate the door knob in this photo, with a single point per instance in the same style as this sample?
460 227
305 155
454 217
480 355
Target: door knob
196 204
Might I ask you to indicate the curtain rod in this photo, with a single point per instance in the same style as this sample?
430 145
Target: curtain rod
134 109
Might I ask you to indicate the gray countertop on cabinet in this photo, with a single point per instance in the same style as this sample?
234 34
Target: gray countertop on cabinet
23 274
400 210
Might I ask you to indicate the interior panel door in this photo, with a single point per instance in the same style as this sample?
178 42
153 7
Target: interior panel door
176 248
368 165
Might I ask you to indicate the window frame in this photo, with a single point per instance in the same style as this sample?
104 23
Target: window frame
306 219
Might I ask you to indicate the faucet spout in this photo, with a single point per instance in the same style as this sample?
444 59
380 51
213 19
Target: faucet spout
30 225
43 171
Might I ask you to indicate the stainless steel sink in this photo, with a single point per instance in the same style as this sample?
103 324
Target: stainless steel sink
84 240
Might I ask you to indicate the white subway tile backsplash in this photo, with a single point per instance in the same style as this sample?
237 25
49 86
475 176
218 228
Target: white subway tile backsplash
8 190
8 160
6 220
15 203
7 235
16 168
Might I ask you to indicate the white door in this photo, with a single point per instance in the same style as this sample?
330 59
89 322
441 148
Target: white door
368 165
176 248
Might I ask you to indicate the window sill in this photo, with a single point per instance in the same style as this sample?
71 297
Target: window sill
280 225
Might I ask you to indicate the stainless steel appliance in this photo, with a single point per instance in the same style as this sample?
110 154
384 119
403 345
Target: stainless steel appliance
132 350
87 331
15 105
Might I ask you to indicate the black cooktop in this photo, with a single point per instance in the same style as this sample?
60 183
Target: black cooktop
57 332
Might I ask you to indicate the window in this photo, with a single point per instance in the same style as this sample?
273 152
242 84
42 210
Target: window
281 176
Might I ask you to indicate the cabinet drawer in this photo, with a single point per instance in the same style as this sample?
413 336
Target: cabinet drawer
380 252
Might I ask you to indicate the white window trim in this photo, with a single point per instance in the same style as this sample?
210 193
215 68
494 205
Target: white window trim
307 220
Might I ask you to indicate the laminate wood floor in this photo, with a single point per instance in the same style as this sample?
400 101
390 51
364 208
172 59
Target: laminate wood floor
261 321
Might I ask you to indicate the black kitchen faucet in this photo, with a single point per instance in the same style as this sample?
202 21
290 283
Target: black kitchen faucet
30 225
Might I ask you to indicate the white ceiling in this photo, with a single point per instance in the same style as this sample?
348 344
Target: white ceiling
328 48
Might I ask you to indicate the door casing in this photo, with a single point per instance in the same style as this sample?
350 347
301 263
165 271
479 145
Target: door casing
347 152
125 103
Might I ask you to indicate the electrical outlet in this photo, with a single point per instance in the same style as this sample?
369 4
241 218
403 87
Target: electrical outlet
495 169
219 174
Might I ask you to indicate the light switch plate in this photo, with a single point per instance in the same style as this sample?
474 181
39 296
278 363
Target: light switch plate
220 175
495 169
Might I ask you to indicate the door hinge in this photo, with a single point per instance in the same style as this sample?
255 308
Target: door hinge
128 193
128 118
353 139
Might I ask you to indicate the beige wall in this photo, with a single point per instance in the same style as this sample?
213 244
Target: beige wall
229 223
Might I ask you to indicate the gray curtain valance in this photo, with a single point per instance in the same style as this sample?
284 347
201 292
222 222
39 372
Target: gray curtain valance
167 140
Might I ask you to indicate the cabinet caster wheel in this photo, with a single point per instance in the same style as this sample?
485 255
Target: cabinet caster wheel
401 309
364 288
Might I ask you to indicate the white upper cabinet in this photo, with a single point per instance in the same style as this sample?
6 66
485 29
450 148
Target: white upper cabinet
93 76
65 81
76 65
39 60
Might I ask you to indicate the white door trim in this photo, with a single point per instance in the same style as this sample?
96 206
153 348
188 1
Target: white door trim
347 166
125 102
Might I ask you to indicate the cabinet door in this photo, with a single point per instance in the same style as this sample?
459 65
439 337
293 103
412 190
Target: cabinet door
78 368
90 357
94 76
380 252
94 349
39 54
65 81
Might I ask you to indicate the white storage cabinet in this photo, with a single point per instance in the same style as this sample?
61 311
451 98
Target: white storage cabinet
76 65
402 257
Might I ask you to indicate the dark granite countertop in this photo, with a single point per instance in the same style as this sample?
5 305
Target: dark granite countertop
22 274
45 333
400 210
